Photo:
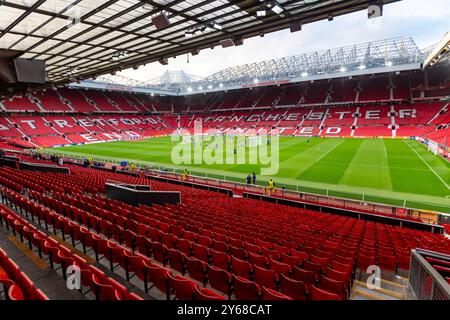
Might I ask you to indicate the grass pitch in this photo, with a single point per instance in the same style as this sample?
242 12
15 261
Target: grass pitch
391 171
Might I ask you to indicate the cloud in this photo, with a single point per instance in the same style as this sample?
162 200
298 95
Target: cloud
424 21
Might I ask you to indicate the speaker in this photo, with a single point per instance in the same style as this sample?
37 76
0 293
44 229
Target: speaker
161 21
227 43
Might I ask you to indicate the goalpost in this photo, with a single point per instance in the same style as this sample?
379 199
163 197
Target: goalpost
433 147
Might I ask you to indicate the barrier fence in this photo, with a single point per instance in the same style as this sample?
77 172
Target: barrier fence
343 199
426 283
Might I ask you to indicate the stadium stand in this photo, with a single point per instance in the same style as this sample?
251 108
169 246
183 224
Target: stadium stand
210 239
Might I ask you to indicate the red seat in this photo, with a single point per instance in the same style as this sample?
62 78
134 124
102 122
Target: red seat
159 252
239 253
182 288
266 278
201 252
184 246
204 241
314 267
220 246
387 262
280 268
241 268
206 294
306 276
334 286
196 269
245 289
258 260
364 261
168 240
220 280
291 260
293 288
320 294
220 260
177 260
269 294
158 276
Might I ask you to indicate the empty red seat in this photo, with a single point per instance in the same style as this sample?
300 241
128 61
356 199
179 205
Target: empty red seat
182 288
196 269
334 286
206 294
320 294
258 260
265 278
220 260
245 289
201 252
269 294
293 288
280 267
177 260
241 268
220 280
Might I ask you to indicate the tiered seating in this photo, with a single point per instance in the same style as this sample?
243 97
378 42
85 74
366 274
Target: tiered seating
375 89
316 93
50 141
78 100
65 125
104 287
340 116
6 129
373 132
16 285
122 102
343 91
290 96
416 114
441 136
231 100
101 101
33 125
268 97
19 104
50 101
219 241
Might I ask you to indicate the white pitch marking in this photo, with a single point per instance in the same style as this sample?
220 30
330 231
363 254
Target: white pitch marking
427 164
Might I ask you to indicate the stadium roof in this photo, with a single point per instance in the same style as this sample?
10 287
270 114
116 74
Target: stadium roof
382 56
440 53
81 39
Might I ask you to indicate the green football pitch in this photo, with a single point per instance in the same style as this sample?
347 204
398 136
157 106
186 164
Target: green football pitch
391 171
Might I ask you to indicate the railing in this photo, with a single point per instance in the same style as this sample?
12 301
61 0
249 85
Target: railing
342 199
425 282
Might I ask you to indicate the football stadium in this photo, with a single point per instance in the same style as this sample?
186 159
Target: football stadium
275 168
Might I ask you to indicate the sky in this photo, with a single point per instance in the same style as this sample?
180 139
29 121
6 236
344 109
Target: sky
426 21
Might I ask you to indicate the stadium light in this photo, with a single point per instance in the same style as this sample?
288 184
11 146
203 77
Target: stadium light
200 88
361 67
152 94
342 69
261 12
209 28
221 85
389 64
277 8
189 89
255 80
304 74
210 87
